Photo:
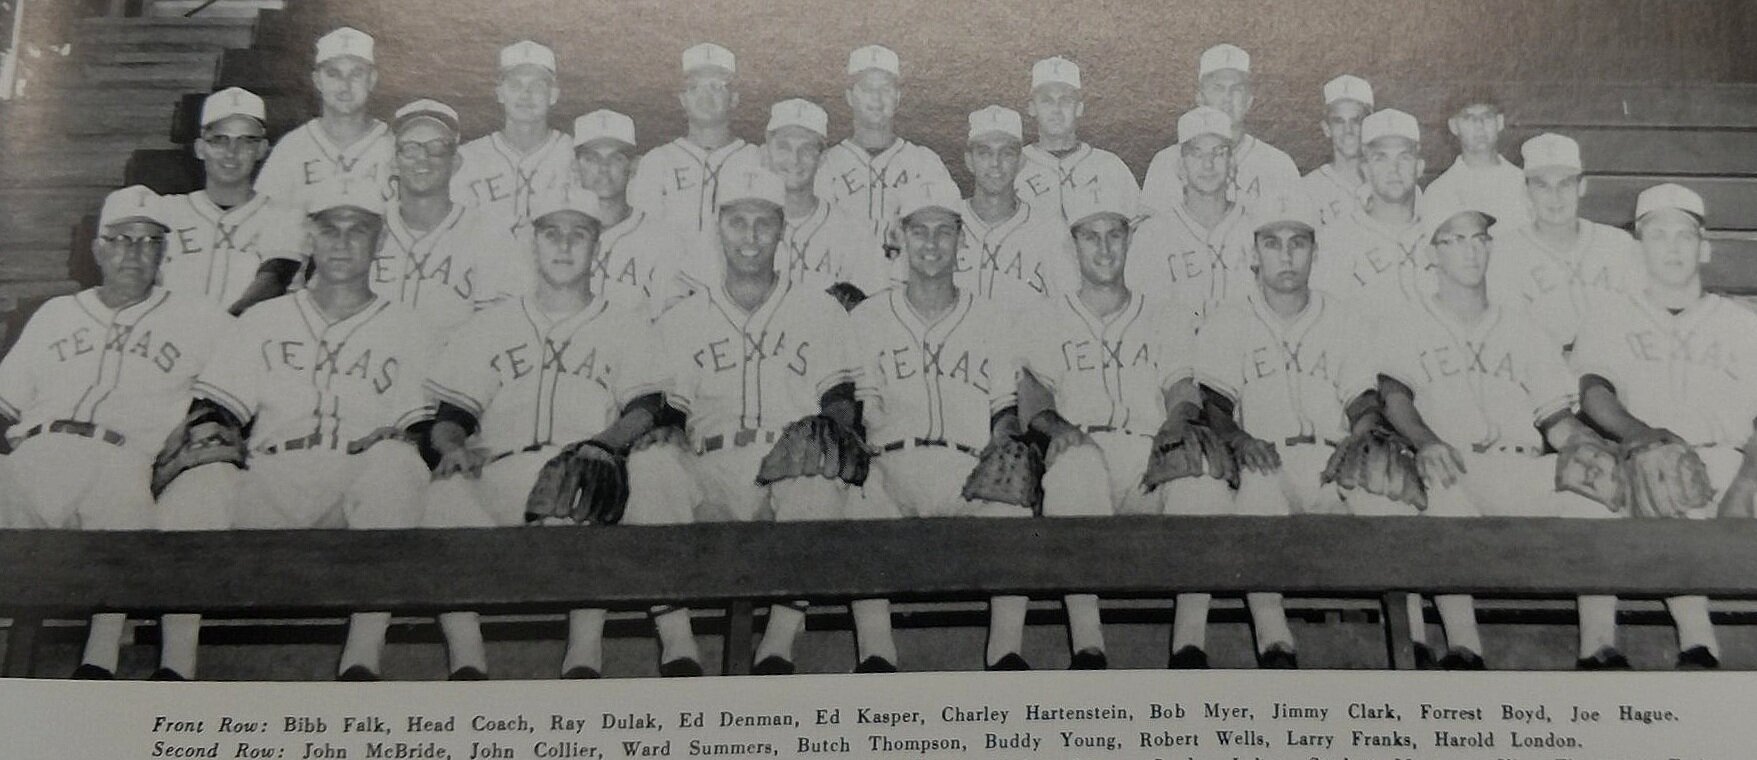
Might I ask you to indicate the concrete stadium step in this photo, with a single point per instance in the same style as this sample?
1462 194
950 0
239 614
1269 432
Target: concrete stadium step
219 9
43 217
1731 201
34 264
165 33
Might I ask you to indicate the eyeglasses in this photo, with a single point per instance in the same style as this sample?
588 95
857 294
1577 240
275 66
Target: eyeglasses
231 143
438 147
1480 238
148 244
1222 153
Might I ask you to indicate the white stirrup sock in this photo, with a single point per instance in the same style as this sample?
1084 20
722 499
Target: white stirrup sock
1189 621
585 640
872 630
1006 626
463 640
103 643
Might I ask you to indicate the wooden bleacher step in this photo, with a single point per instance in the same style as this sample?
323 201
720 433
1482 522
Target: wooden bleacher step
218 9
143 34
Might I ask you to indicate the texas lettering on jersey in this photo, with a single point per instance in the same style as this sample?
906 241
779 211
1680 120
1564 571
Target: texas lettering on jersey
501 180
306 157
1047 181
214 253
864 184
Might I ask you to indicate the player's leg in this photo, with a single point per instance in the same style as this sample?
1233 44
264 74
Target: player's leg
385 490
792 500
481 502
1189 623
669 486
120 498
875 646
1083 484
201 498
1697 645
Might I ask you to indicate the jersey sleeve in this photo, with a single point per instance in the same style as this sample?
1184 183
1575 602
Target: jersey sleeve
1551 386
832 360
644 189
1393 353
1597 346
18 386
279 177
1213 362
408 398
640 369
464 374
283 237
1117 174
234 372
932 168
1038 347
870 380
676 329
1162 184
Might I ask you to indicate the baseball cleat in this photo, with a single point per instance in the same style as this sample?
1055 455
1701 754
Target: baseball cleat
1459 658
166 674
1424 657
773 665
1188 658
582 673
1010 662
875 664
89 672
1697 658
468 673
682 667
1606 658
1091 658
357 673
1278 657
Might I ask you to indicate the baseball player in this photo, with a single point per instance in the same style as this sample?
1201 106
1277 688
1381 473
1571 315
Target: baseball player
1337 186
1012 252
327 381
524 378
1480 177
823 245
1224 82
638 254
344 141
89 391
1559 262
500 172
1376 248
1667 361
680 180
1197 249
228 244
863 173
1478 388
750 356
1060 163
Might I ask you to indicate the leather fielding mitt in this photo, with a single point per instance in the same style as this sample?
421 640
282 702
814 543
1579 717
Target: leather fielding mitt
1591 467
195 442
1194 452
847 294
817 446
1009 471
1379 462
1666 478
585 483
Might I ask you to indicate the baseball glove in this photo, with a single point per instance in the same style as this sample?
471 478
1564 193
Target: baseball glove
585 483
1195 452
1380 462
1666 478
820 446
1589 466
847 294
195 442
1009 471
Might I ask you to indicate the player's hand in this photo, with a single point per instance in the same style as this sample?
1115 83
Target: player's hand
1064 439
659 436
1650 436
1440 464
463 460
1255 454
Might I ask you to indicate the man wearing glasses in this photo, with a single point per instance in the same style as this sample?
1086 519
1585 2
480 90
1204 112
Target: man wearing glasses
228 244
344 141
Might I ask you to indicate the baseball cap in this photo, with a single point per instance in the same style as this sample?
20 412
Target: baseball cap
1055 70
1102 198
1286 207
1224 56
1389 122
752 183
874 57
527 53
232 101
1436 216
1203 120
1669 195
1550 149
917 196
709 54
1348 87
1473 95
565 198
996 119
345 192
424 108
345 41
799 112
603 124
134 203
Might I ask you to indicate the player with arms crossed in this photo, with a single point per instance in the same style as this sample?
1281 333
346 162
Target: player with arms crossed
228 244
327 381
823 245
1376 248
499 173
344 141
1224 82
524 379
89 391
1196 250
1012 252
1060 163
1480 177
638 253
863 173
1666 370
1337 186
680 180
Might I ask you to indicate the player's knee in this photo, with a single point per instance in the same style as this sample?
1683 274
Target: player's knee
200 498
808 498
1261 495
1078 484
452 503
1199 495
661 489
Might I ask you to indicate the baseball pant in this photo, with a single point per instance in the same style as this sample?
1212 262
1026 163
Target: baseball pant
494 499
61 481
1294 489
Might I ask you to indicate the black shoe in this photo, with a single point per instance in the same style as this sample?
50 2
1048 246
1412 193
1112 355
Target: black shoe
582 673
773 665
682 667
875 664
1010 662
89 672
1188 658
1459 658
1089 659
1606 658
166 674
1697 658
1278 657
1424 657
357 673
468 673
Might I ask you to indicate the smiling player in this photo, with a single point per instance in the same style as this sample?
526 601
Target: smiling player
344 141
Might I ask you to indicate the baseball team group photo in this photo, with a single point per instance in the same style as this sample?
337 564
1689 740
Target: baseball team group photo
948 279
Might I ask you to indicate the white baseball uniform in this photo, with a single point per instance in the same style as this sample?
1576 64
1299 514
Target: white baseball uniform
680 181
309 387
1045 179
95 391
1362 259
500 180
306 157
1334 196
434 272
640 254
1174 256
865 184
535 384
830 245
1029 256
1498 190
1557 285
1258 168
213 253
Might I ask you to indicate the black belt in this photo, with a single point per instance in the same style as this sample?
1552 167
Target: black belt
1113 429
740 438
72 427
915 443
1484 448
296 444
505 454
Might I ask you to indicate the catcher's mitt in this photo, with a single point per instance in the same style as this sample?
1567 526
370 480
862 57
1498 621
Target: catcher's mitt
195 442
820 446
1379 462
1666 479
1009 471
1196 451
847 294
1589 466
585 483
